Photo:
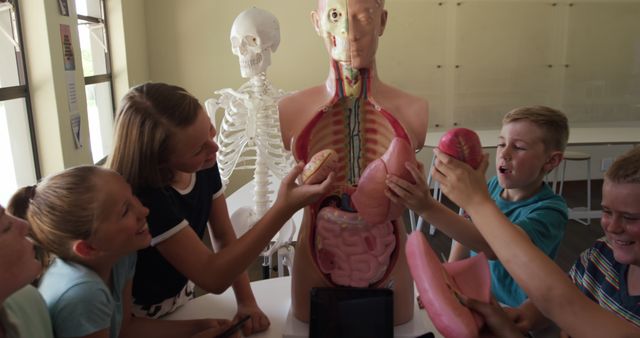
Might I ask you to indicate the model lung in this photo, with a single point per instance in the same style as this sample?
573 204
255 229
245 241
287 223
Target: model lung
439 285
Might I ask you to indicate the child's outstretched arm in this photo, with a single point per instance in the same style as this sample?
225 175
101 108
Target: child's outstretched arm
222 235
417 197
216 271
545 283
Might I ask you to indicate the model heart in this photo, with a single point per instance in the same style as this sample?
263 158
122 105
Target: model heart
463 144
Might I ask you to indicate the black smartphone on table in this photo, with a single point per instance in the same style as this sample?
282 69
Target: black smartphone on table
233 328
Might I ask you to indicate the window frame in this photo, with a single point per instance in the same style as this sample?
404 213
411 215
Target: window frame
108 76
22 91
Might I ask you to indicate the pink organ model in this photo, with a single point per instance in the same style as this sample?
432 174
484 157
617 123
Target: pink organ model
355 236
463 144
440 284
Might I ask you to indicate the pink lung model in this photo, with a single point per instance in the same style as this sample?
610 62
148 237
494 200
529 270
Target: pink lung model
369 198
439 284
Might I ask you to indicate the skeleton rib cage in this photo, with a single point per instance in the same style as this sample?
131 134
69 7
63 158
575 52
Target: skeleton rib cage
249 134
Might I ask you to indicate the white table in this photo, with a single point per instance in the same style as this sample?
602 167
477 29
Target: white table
274 298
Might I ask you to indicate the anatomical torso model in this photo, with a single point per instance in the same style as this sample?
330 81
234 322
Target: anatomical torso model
355 236
249 135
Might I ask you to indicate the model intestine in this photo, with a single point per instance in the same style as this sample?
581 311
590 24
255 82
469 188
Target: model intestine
350 250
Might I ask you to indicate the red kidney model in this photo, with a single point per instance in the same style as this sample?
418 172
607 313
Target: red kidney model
463 144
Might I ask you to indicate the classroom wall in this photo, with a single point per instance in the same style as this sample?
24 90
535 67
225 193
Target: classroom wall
128 42
589 50
189 44
472 60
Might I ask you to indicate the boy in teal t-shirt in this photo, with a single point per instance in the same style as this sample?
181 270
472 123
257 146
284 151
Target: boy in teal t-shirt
543 218
531 144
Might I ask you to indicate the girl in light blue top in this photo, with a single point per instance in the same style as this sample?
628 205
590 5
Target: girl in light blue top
90 221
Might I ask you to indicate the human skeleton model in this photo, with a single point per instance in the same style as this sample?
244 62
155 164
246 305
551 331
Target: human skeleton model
249 135
353 237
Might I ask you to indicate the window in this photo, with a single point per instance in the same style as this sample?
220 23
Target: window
92 30
18 156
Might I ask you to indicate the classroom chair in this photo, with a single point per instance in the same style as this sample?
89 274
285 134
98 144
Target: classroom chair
581 157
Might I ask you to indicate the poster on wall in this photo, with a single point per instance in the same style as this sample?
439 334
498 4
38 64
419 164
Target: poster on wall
70 77
75 129
67 48
63 6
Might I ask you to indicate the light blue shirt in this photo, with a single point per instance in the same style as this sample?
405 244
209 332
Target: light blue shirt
80 303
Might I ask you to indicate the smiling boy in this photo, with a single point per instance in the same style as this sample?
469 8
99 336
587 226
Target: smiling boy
609 272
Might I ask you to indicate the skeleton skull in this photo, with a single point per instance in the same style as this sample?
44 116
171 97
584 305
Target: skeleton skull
255 34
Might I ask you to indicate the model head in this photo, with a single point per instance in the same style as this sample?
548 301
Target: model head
83 212
620 208
160 128
350 29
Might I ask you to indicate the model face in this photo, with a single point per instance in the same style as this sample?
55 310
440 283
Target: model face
520 158
122 228
332 25
367 20
621 220
350 29
194 147
17 257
